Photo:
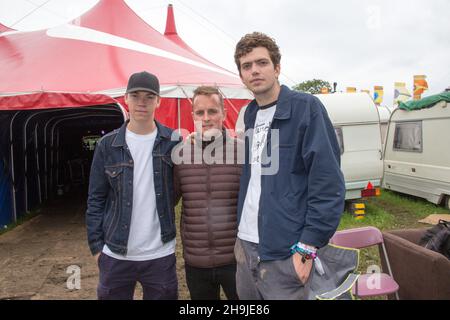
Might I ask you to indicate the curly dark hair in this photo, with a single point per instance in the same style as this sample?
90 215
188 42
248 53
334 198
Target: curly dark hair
255 40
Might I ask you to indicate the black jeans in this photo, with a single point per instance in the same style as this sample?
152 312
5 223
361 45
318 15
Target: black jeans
205 283
117 278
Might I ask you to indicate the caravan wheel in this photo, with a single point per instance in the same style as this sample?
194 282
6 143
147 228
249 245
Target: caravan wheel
447 202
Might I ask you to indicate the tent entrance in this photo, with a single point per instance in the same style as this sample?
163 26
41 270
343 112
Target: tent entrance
48 153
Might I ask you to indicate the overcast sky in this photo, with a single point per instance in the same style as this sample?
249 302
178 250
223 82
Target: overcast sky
358 43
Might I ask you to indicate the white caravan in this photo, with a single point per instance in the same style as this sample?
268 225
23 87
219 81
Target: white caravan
417 153
357 125
385 114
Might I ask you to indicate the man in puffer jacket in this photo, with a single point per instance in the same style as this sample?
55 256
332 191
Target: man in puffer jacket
207 172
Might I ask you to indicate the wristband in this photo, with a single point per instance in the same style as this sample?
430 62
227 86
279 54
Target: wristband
307 253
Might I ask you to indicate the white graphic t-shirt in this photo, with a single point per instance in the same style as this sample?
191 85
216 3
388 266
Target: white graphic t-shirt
248 226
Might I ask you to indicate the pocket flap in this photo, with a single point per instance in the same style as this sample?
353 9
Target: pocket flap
113 171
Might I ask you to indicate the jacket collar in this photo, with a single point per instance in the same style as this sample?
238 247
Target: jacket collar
282 112
163 133
223 139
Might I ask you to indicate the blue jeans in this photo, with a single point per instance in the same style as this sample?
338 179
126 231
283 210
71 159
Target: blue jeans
118 278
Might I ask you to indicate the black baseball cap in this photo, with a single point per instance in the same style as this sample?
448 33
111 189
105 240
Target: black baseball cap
143 81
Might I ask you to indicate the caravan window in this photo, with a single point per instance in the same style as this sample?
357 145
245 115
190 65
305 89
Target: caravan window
408 136
340 138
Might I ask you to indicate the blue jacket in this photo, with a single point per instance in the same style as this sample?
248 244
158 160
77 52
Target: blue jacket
304 200
110 199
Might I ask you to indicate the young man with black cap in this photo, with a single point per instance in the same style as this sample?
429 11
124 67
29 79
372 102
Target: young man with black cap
130 209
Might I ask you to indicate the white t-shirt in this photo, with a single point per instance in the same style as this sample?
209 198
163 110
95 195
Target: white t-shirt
144 241
248 226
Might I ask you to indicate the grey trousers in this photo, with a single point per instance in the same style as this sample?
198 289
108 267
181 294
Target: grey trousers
266 280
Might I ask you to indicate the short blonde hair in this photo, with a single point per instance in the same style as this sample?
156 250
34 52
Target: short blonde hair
208 91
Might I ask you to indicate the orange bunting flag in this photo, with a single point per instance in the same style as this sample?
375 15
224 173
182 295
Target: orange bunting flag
420 85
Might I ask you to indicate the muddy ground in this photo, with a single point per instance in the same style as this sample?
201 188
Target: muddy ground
38 257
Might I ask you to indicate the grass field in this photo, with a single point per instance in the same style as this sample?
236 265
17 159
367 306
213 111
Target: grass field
387 212
393 210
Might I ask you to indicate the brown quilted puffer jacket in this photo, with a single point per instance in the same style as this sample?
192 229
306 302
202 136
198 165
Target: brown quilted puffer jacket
209 202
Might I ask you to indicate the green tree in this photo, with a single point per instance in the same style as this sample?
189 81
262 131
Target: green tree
312 86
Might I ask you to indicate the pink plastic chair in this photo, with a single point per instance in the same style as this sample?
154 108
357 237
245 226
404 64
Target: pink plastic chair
359 238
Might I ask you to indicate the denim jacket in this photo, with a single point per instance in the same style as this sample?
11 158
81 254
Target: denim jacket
110 200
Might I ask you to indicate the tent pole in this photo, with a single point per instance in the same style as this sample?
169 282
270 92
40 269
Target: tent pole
69 117
26 157
36 148
25 151
47 146
82 113
179 110
57 157
179 116
51 158
45 158
13 180
37 156
47 143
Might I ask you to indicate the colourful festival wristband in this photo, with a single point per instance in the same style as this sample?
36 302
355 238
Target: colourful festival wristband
305 252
